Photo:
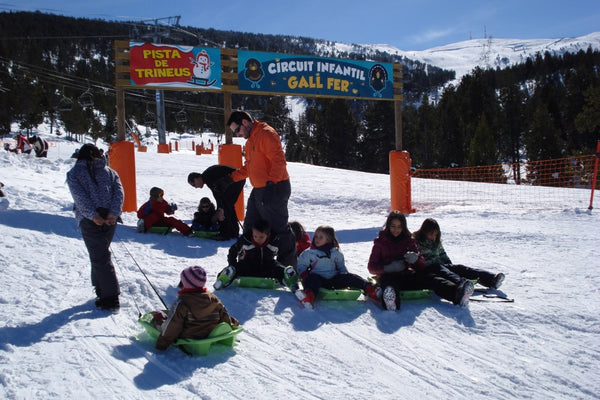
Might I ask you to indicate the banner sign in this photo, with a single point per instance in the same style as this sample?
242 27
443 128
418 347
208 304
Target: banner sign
172 66
301 75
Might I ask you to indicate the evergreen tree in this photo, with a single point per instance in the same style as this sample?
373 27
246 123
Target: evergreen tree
588 120
377 137
512 101
482 149
542 139
335 134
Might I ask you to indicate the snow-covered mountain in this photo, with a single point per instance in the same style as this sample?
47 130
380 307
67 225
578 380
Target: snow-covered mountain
462 57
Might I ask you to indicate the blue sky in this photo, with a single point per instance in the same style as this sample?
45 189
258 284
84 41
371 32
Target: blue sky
408 25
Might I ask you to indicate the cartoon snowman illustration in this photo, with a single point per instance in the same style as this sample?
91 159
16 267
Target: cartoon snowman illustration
201 69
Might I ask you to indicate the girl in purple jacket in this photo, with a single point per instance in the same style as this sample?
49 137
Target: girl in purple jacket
398 265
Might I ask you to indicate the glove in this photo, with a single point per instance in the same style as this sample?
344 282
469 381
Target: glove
159 319
173 207
411 257
395 266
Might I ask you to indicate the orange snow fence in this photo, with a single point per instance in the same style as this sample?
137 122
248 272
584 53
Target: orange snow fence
573 177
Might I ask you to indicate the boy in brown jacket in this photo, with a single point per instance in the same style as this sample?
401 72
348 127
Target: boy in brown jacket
196 311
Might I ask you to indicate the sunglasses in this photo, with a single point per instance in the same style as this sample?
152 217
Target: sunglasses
235 132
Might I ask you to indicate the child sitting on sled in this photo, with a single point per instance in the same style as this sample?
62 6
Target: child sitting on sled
195 313
302 238
398 265
152 213
207 218
323 266
429 242
255 256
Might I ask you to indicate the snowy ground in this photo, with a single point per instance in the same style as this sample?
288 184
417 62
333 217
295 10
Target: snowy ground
55 344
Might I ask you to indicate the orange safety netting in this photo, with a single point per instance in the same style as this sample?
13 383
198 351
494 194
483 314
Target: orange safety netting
572 172
574 175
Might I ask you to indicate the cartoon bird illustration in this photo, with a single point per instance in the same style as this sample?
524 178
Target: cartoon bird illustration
377 79
254 72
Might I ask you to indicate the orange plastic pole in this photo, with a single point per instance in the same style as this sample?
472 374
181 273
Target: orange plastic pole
163 148
176 146
595 174
198 150
400 192
121 158
231 154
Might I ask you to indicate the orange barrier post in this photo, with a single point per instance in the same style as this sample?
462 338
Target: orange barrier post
400 163
193 145
198 150
163 148
595 175
176 146
141 148
121 158
231 154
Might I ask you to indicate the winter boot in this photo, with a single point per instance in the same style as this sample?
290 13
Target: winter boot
290 278
306 297
498 279
110 303
224 278
390 299
463 292
140 226
373 292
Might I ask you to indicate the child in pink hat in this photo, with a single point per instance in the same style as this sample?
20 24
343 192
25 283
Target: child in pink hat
196 311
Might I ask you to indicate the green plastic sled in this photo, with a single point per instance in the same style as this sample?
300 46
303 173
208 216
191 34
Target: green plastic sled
414 294
406 294
205 234
339 294
223 334
255 282
161 230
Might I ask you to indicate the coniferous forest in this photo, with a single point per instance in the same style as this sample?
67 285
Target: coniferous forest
61 69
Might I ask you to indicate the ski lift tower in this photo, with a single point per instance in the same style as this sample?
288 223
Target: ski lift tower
161 28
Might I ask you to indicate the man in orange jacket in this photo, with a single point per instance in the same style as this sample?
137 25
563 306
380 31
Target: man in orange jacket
265 166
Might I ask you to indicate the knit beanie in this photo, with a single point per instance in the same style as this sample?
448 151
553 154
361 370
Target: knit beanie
155 192
193 277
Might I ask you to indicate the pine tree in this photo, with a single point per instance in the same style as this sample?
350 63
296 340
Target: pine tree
377 137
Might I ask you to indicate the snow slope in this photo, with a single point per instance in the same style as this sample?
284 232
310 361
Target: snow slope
462 57
55 345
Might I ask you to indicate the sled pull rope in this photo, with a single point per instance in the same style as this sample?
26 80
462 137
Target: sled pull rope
115 262
143 273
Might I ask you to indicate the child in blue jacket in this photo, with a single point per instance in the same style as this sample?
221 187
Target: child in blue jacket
322 265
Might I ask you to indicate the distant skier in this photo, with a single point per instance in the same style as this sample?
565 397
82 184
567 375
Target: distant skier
40 146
